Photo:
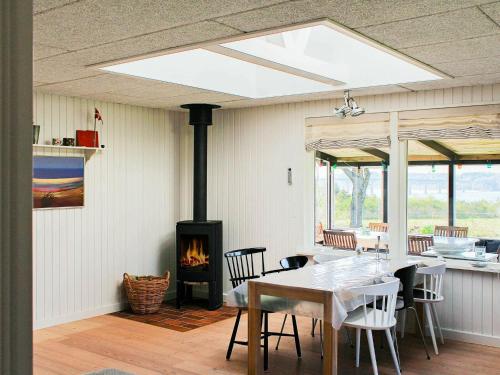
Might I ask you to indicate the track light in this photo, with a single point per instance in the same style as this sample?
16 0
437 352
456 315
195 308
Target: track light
349 106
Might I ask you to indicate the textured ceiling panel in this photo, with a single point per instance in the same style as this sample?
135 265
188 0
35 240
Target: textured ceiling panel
65 67
455 36
456 50
460 24
471 67
175 102
91 85
94 22
156 90
493 11
479 79
40 51
316 96
349 13
46 5
161 40
120 99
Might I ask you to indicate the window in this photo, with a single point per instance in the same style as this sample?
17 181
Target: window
346 196
354 210
427 198
477 199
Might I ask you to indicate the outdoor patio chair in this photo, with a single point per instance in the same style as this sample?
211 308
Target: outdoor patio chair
449 231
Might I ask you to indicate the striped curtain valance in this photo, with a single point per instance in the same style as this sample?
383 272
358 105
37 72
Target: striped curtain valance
327 133
430 126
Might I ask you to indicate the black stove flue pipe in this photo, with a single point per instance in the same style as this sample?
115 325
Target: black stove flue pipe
200 117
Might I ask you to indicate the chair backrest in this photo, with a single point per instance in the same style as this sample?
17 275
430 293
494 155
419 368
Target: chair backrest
293 262
418 244
378 227
449 231
340 239
385 294
433 280
406 276
241 264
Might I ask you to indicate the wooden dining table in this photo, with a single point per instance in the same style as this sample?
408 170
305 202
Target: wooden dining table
323 284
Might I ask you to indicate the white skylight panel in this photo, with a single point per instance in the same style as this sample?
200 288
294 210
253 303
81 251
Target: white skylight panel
212 71
311 59
327 52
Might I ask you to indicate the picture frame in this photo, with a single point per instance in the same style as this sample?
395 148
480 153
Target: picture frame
58 182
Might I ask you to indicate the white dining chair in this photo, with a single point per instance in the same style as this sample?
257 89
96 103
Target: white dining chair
380 317
429 295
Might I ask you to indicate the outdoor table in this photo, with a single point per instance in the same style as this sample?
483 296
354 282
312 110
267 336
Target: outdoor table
320 291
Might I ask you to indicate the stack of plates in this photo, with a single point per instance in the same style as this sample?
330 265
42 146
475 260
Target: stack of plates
449 249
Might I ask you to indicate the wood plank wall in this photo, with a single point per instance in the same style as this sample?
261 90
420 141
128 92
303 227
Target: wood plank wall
131 207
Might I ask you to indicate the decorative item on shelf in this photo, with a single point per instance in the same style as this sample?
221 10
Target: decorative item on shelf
90 138
68 141
58 182
87 138
36 133
56 142
145 293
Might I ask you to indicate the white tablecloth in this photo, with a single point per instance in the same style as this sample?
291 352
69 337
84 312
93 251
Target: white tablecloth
337 276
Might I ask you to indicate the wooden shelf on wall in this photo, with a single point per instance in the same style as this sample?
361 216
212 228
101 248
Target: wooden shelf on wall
88 152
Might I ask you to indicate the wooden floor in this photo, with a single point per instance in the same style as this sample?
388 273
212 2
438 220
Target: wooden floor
112 342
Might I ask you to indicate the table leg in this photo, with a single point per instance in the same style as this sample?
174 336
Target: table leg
329 339
254 330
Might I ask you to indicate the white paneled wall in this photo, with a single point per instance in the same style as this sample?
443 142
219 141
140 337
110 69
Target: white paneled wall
471 309
131 207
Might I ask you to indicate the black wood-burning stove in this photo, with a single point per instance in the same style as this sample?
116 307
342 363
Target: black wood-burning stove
199 241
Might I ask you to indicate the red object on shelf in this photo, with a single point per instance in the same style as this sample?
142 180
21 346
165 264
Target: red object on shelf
87 138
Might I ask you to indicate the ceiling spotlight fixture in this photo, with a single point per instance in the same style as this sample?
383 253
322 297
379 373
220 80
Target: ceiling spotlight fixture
349 106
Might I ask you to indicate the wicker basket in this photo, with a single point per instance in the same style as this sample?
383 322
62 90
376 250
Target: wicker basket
145 293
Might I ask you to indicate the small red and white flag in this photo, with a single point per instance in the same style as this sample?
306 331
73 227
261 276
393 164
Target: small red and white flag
97 115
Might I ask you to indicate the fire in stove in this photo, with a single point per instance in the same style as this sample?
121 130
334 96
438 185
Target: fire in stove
194 254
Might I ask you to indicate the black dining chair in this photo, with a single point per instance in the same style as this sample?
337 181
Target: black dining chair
288 264
242 268
405 302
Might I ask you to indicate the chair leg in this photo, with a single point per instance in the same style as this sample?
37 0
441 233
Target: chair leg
281 332
296 336
393 352
314 321
266 341
403 323
421 331
358 344
431 326
233 336
346 330
371 346
396 346
436 318
321 337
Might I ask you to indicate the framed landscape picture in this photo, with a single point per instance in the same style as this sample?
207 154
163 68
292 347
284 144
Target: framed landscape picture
58 182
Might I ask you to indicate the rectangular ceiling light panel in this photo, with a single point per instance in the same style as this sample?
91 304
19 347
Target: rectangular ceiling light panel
324 51
283 63
216 72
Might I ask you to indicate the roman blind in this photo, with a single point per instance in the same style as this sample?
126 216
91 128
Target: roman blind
326 133
450 123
